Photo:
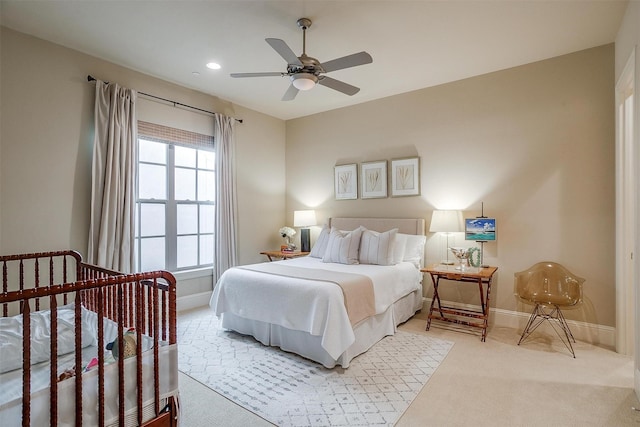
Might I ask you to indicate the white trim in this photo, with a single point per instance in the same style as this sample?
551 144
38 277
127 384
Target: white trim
624 188
600 335
189 302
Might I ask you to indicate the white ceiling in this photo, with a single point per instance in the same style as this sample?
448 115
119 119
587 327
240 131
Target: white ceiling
414 44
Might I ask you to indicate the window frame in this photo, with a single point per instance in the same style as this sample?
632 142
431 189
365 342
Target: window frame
171 235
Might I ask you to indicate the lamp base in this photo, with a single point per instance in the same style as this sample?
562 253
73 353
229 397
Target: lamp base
305 242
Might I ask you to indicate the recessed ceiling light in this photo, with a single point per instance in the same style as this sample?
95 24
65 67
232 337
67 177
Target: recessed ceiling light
195 73
213 66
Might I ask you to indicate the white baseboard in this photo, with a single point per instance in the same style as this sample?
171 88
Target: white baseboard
189 302
600 335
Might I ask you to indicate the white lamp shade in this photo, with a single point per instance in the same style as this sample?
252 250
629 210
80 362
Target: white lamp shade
304 81
446 222
304 218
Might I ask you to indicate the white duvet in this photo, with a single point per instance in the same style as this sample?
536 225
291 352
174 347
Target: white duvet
315 307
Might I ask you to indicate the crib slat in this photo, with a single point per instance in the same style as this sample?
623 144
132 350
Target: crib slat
139 328
53 369
78 348
5 288
26 363
121 377
156 333
101 414
37 281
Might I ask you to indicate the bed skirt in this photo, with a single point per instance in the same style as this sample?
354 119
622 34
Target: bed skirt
367 332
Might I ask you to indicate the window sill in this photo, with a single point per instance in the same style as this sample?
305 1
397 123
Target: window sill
194 274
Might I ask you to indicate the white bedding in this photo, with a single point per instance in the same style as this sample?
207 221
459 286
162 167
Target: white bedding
313 307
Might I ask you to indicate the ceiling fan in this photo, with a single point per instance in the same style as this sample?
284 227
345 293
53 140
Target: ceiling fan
305 72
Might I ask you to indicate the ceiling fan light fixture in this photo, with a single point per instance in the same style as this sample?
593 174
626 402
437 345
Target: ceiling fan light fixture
304 81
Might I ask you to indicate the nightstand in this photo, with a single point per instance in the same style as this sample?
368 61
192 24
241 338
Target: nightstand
283 254
480 276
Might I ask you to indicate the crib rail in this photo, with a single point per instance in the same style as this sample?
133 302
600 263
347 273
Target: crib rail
145 302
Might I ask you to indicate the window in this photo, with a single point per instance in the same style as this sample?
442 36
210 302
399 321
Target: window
175 205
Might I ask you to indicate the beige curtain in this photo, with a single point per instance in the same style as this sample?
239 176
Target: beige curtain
111 232
226 204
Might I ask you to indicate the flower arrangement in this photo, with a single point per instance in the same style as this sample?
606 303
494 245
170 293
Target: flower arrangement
287 232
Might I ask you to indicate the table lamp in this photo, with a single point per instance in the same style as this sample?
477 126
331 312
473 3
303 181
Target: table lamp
304 219
446 222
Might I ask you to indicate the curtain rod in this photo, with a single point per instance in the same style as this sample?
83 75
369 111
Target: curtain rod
90 78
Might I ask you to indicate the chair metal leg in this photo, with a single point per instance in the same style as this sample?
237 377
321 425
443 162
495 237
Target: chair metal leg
556 319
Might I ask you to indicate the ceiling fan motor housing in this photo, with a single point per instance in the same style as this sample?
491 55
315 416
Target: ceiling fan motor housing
309 65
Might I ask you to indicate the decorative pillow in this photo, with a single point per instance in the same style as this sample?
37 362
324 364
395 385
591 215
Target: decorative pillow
377 248
11 331
320 247
414 249
343 246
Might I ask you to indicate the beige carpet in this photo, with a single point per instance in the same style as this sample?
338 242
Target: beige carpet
495 383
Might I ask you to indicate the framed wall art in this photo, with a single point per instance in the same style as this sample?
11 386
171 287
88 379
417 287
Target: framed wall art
346 182
373 179
405 177
480 229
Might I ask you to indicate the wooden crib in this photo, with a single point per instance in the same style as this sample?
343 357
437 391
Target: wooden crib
86 307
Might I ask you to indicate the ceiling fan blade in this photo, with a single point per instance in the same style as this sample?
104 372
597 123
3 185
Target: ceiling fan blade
290 94
334 84
284 50
348 61
270 74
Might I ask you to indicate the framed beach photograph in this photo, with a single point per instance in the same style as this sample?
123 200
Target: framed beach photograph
346 182
480 229
405 177
373 179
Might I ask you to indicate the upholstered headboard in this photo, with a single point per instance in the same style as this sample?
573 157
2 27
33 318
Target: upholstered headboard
404 225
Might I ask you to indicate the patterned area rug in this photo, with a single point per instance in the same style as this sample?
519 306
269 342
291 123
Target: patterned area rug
289 390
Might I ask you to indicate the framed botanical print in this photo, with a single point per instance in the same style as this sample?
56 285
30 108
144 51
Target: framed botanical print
373 179
405 177
346 182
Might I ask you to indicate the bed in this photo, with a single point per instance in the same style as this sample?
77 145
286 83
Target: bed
82 345
302 305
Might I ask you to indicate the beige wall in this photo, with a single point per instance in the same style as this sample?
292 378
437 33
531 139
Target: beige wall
628 38
534 143
46 144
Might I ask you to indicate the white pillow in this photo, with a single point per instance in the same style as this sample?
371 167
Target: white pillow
320 247
11 331
414 249
399 248
343 246
377 248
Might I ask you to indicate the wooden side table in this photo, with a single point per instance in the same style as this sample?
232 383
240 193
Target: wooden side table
283 254
481 276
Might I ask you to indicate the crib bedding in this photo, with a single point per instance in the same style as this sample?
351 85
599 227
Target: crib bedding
11 380
11 390
312 310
